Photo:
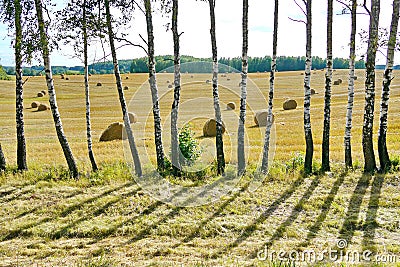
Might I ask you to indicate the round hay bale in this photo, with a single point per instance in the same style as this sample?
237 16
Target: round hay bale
302 73
336 83
99 84
313 91
355 78
228 79
208 81
62 76
168 81
261 117
289 104
340 80
230 106
126 87
191 76
132 117
113 132
67 79
43 107
169 85
40 94
210 128
126 78
43 92
35 104
90 75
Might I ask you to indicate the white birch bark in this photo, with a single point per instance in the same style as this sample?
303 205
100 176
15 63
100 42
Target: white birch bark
264 164
52 94
387 78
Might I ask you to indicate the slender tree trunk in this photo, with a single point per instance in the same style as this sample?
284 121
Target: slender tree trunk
350 100
21 146
153 88
129 132
87 98
307 96
264 165
242 115
52 94
328 91
367 142
177 91
387 78
219 141
2 160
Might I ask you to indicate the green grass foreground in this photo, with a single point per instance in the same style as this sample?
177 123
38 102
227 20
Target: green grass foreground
105 219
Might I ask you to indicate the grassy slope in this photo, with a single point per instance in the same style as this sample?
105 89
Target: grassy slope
45 219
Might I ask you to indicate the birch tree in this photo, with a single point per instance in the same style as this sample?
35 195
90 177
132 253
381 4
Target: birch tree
328 90
19 90
44 43
243 95
264 165
350 97
129 132
387 78
18 16
307 92
177 91
73 27
153 87
2 160
217 110
367 141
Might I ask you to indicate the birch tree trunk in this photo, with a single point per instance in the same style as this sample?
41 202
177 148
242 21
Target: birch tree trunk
129 132
87 98
243 96
367 142
21 145
154 89
2 160
217 110
387 78
350 100
307 95
52 94
264 165
328 91
177 91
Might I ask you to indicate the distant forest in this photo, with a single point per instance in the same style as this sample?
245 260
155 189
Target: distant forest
165 63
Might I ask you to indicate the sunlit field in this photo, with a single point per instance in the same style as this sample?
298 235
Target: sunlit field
107 219
196 103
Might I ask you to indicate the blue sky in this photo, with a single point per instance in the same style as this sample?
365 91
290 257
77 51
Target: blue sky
194 22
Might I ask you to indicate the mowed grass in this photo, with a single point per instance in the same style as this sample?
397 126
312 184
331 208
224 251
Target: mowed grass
106 219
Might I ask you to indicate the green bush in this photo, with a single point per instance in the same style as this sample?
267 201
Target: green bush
188 146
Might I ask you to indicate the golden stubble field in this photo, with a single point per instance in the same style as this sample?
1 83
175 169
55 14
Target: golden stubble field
196 106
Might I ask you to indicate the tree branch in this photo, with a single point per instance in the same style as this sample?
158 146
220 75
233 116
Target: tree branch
141 37
121 39
297 20
301 8
140 8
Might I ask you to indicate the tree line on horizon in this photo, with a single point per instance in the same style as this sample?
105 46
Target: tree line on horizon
139 65
83 21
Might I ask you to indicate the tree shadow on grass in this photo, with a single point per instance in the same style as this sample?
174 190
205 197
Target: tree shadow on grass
350 224
298 208
196 231
249 230
370 224
21 231
316 227
64 231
